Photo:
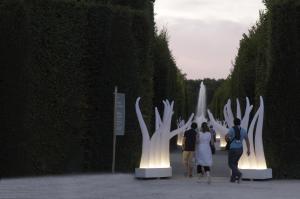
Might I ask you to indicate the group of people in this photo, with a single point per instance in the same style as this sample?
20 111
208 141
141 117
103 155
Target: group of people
200 145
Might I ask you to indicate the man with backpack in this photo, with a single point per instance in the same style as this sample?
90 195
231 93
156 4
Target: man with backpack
235 137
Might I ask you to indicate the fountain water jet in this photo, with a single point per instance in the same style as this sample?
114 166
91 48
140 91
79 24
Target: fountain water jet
201 106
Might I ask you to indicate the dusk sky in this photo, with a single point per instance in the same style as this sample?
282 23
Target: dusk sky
204 35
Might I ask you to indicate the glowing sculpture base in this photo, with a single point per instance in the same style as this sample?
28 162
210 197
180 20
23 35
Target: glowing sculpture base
256 174
153 172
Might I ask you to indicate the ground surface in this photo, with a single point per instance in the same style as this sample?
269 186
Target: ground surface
126 186
119 186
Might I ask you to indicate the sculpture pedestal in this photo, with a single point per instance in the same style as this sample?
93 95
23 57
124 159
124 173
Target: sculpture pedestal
256 174
153 172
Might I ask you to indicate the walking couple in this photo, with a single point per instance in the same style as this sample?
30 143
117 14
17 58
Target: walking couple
198 144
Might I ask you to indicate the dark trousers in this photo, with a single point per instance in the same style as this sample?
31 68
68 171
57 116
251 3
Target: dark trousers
234 156
199 168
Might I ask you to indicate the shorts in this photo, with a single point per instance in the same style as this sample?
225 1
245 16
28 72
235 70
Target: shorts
187 157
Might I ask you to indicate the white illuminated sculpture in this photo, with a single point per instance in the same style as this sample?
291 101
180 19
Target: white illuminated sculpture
221 136
253 166
180 135
155 160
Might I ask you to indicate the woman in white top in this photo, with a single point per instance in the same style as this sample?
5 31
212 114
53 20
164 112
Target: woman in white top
203 151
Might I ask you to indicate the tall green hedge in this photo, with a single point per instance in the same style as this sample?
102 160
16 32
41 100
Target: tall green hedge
283 90
60 61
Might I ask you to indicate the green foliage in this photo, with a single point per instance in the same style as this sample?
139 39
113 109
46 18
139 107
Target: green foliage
60 62
169 83
221 95
283 90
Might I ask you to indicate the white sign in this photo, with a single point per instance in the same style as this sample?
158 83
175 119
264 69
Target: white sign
119 123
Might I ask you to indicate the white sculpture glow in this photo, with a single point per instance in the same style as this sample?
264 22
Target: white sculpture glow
180 135
155 150
221 136
256 160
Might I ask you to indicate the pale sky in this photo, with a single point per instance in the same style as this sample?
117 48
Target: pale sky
204 35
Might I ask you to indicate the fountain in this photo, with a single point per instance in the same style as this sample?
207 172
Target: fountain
201 106
253 166
155 160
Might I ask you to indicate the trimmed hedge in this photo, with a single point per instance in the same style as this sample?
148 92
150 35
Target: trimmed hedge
283 91
60 61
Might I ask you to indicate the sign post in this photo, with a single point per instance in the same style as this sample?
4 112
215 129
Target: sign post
119 121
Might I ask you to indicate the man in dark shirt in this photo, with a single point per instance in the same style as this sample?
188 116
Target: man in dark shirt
188 146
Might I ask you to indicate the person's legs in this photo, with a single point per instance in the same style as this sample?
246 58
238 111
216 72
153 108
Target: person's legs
238 173
199 169
185 162
233 158
206 169
190 163
207 172
231 164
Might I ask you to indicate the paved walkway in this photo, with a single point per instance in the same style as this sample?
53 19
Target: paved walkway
219 168
125 186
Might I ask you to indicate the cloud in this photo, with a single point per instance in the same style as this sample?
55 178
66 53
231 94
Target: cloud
203 49
231 10
204 34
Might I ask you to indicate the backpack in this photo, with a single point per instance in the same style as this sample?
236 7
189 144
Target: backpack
237 136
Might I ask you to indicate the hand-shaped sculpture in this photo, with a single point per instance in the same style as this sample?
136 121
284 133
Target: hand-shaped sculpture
180 123
256 160
155 151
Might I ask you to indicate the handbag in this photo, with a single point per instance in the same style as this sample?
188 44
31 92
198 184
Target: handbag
227 147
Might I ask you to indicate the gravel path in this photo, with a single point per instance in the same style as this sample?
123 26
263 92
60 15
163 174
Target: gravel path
125 186
119 186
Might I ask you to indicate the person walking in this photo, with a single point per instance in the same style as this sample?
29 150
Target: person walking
203 152
188 146
235 137
213 139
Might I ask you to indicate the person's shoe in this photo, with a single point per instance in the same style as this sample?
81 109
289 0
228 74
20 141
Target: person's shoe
232 179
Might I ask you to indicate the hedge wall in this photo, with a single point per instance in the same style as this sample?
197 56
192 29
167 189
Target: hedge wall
60 61
283 90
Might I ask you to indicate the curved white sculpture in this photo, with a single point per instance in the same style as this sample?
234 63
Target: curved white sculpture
221 136
180 123
155 150
256 160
